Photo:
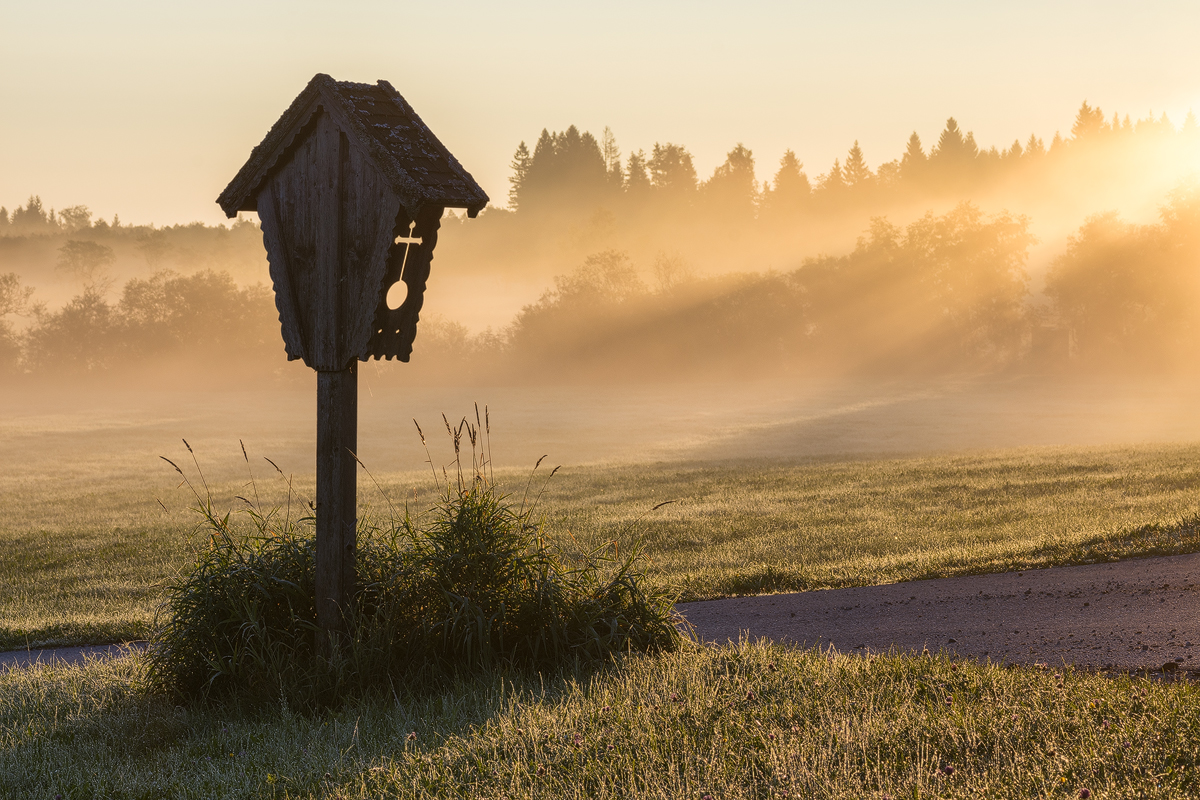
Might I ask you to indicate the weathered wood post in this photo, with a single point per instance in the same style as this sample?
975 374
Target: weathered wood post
350 186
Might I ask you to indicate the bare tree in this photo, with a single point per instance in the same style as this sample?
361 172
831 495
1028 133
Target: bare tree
88 261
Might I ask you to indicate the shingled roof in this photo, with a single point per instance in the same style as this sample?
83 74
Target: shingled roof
419 169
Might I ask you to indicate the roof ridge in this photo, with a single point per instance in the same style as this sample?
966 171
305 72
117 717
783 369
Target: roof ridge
418 167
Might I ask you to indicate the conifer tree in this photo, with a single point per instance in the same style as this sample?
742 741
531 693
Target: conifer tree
950 144
1189 129
970 149
1089 123
31 218
520 168
612 159
912 163
733 189
790 188
671 170
856 172
953 159
565 173
833 183
637 179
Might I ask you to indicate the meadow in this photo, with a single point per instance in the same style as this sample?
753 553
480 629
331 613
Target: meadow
851 490
92 521
742 721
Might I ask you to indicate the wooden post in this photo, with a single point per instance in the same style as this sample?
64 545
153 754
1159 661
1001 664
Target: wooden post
337 441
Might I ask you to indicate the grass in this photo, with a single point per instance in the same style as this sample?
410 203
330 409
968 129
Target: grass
749 721
470 585
85 552
84 557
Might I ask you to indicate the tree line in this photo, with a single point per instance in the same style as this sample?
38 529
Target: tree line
946 293
163 323
574 172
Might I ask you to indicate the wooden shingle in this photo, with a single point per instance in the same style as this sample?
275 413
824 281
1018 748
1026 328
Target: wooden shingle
416 166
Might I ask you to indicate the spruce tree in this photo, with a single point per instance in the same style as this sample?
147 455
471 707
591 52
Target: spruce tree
856 172
953 160
912 163
732 189
833 183
612 159
1189 128
671 170
520 168
950 144
637 179
1089 123
790 188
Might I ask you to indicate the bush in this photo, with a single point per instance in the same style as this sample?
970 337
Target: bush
472 584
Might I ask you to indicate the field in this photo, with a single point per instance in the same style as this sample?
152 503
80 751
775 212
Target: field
797 504
774 487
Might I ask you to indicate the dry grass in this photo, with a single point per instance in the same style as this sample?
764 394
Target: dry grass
736 722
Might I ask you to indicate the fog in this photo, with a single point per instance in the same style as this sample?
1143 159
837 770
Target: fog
622 307
87 443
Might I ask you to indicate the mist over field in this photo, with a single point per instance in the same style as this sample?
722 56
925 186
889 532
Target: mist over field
619 306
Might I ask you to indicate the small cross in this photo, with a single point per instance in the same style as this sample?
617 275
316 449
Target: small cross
410 239
408 242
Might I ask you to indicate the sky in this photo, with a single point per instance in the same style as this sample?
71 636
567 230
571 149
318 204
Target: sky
148 109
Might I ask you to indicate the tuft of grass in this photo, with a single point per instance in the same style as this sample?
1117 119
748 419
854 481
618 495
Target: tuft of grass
740 721
472 584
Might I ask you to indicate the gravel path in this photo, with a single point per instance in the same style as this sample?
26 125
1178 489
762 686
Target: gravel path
1135 614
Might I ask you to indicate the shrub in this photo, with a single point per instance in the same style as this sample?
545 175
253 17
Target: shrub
472 584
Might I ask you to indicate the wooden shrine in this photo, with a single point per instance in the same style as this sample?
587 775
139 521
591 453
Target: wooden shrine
349 186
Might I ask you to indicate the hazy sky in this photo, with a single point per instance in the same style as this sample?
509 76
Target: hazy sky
149 108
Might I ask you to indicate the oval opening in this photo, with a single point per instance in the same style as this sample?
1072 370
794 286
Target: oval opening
397 295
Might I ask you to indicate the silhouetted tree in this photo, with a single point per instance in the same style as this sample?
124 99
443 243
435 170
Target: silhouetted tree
914 161
856 173
732 191
87 261
1089 123
789 191
565 173
672 174
952 161
30 218
78 338
520 168
75 218
637 178
612 161
832 185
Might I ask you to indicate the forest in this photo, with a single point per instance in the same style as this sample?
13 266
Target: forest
919 266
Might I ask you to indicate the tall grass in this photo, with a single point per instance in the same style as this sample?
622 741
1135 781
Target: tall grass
470 584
